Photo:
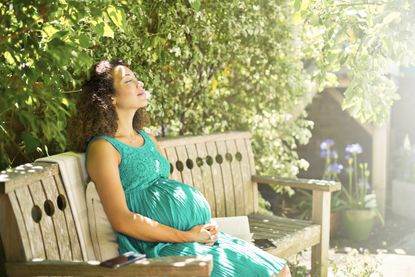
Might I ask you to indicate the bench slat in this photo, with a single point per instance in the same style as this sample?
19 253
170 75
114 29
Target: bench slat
59 222
171 266
196 172
309 184
288 241
238 188
217 179
228 184
207 177
76 251
246 176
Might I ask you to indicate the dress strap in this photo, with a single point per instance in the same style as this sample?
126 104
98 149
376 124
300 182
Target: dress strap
111 140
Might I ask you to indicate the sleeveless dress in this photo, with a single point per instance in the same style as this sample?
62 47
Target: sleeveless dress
149 191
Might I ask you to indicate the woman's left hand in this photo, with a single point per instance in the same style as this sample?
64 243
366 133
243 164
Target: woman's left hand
214 233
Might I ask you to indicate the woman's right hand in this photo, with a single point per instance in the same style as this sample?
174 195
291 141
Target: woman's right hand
205 233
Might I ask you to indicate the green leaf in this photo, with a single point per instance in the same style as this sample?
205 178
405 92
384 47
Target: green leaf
84 41
116 16
30 142
297 5
195 4
9 57
99 29
108 32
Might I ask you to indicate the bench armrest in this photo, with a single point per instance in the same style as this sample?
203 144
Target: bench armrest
163 266
310 184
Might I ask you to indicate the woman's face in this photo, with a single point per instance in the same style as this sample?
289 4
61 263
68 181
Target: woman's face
129 92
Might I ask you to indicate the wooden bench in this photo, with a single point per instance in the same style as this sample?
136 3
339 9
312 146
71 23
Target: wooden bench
220 165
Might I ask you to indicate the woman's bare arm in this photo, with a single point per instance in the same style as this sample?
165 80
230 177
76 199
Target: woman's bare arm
103 161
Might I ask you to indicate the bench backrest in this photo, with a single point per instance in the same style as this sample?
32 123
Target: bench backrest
35 218
220 166
40 219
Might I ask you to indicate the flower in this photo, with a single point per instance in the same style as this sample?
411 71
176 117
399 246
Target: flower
354 148
357 194
332 167
335 167
326 144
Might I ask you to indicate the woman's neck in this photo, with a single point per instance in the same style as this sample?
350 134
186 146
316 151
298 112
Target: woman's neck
125 124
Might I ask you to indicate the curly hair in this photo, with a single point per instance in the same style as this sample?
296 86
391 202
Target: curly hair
95 114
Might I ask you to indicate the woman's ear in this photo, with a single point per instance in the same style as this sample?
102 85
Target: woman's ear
113 100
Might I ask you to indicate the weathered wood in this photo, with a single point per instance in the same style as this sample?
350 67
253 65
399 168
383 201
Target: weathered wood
12 230
219 192
247 184
310 184
236 173
25 202
163 266
254 186
290 240
185 140
197 175
58 218
22 175
207 177
182 158
172 157
49 240
321 216
229 194
76 251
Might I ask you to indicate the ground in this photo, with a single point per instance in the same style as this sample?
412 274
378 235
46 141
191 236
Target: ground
389 251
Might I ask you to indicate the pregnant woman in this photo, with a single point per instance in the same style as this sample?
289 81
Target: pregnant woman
150 213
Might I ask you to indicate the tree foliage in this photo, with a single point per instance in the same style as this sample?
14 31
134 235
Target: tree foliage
209 65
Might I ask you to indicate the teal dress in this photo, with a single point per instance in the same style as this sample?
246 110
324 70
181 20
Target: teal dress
149 191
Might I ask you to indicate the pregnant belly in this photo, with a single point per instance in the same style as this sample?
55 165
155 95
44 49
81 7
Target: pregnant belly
171 203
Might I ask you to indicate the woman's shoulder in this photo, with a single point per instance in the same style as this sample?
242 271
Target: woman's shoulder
101 148
102 144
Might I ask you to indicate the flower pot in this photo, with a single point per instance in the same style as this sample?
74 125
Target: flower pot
403 203
358 223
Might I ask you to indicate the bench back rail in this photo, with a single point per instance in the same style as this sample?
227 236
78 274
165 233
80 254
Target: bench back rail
218 165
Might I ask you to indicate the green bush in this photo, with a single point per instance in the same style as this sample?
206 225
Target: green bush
209 65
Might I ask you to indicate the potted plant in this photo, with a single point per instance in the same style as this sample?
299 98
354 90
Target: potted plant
403 182
353 204
359 208
332 169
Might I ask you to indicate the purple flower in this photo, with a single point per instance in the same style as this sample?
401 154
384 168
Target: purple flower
326 144
348 157
354 148
323 153
333 154
335 167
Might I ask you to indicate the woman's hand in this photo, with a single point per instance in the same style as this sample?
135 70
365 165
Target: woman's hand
205 233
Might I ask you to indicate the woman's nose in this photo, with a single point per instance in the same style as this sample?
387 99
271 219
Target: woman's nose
141 84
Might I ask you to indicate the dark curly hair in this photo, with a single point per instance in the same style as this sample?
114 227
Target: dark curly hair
96 115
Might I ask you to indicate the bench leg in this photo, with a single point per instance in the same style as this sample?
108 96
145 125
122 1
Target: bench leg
321 215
